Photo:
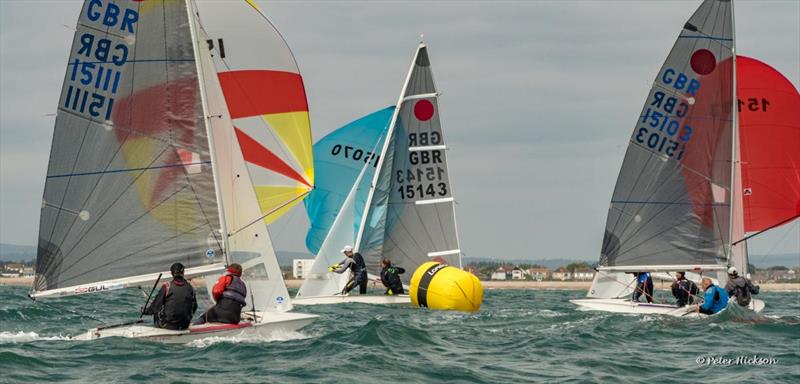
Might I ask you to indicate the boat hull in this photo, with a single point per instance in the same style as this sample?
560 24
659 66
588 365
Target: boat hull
266 326
363 299
632 307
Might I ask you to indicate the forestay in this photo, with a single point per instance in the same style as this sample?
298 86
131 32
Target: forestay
129 186
672 201
411 217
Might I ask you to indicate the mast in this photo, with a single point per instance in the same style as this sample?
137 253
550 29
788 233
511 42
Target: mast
389 134
206 118
734 144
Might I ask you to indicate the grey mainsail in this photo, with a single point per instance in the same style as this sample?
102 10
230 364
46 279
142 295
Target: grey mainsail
672 201
129 186
411 215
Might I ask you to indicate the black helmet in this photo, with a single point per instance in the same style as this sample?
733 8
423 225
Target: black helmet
176 269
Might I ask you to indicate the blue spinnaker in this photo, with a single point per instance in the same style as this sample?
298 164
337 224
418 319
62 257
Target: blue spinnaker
339 157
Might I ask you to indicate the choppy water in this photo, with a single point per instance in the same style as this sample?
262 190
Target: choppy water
518 336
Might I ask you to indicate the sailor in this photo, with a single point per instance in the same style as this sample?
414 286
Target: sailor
644 285
355 263
230 293
390 277
683 289
740 287
716 299
175 303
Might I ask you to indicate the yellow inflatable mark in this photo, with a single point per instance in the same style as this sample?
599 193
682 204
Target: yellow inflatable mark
440 286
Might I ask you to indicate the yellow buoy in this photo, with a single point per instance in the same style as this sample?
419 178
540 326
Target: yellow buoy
440 286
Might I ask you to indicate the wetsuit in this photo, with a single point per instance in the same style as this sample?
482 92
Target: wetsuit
684 290
230 292
358 277
716 299
741 288
390 277
174 305
644 285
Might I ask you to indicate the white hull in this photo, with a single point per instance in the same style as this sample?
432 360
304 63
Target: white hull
363 299
264 328
628 306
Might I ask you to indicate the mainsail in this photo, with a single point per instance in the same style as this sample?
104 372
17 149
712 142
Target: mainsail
410 209
129 186
247 240
145 168
672 201
266 98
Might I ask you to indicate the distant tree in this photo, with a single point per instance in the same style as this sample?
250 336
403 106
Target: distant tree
571 267
778 268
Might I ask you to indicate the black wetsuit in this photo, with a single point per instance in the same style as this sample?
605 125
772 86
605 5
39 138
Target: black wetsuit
359 276
174 305
684 290
390 277
742 289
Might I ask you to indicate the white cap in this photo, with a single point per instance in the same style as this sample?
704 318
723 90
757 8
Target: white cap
732 271
347 248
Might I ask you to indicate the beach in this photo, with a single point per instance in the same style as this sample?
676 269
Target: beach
492 284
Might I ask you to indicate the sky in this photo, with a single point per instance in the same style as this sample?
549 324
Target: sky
539 102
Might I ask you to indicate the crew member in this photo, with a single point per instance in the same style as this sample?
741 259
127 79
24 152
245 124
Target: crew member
175 303
644 285
740 287
230 293
355 263
716 299
683 289
390 277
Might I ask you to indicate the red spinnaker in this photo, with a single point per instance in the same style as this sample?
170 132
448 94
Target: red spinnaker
769 133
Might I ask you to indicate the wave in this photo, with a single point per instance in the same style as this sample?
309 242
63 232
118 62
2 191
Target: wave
274 337
26 337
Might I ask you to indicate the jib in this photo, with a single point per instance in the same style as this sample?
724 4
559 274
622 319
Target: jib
101 52
111 15
425 157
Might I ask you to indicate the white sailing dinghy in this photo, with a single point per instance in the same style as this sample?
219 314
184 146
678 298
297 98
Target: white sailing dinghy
409 212
145 170
678 202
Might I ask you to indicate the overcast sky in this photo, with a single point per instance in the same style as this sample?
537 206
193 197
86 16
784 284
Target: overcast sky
540 99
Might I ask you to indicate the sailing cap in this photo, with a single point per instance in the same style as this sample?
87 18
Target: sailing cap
347 248
732 271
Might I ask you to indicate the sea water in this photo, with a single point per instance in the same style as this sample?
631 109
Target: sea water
517 336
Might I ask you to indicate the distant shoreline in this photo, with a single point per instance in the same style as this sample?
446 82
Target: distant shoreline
494 284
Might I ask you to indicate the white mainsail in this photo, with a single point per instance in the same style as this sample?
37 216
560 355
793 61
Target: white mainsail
410 215
247 239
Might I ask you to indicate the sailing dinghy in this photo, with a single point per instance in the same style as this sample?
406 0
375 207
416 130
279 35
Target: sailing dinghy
146 170
400 203
697 178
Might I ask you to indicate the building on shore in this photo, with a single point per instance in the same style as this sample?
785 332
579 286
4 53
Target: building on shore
301 267
583 274
539 274
562 274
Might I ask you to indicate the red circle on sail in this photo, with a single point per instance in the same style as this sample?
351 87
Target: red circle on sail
703 62
423 110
